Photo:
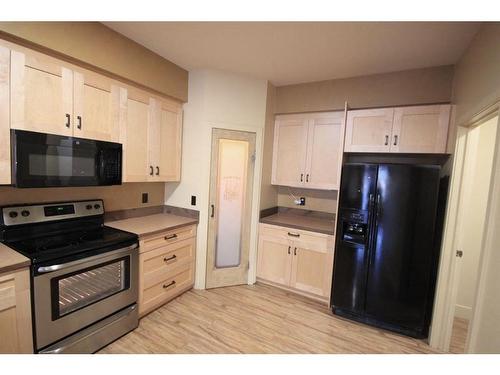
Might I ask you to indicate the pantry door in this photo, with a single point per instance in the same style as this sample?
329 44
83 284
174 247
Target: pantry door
231 182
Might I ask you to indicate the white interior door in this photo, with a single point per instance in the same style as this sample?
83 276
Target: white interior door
231 181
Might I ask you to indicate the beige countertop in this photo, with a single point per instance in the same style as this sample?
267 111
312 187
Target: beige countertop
151 224
304 222
11 260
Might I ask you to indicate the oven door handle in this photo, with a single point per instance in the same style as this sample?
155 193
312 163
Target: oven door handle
56 267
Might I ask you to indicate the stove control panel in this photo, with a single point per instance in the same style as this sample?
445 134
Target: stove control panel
38 213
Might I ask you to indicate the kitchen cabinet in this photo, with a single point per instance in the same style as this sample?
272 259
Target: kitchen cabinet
49 97
297 260
164 141
414 129
5 173
15 312
308 149
166 266
151 134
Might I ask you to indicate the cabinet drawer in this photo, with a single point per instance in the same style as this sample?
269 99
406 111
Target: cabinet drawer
164 261
166 289
165 238
299 238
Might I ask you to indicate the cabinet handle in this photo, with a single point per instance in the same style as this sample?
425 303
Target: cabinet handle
79 118
294 251
307 177
152 170
294 234
166 286
157 171
386 140
302 177
289 247
170 237
68 120
173 257
395 140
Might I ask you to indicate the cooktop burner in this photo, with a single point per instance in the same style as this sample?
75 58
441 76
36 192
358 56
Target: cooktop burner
44 232
40 249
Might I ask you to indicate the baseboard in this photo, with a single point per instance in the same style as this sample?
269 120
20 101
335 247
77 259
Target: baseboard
464 312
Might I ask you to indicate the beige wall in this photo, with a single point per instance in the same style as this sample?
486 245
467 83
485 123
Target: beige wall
98 46
476 86
418 86
217 100
477 75
268 193
121 197
316 200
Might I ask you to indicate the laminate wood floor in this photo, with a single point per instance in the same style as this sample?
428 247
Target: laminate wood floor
459 335
255 319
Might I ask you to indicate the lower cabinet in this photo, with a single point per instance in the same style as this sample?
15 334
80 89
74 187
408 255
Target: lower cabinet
15 312
166 267
297 260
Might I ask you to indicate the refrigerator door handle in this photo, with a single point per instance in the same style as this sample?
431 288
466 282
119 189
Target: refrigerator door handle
378 206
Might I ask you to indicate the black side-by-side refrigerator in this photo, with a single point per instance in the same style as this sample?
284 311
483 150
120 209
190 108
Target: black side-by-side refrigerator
387 245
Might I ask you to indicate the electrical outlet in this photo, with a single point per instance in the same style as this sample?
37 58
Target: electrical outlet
145 197
302 201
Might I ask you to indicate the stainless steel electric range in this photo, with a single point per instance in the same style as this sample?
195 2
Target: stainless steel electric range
84 275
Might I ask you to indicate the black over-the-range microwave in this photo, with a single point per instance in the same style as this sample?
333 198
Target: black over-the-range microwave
46 160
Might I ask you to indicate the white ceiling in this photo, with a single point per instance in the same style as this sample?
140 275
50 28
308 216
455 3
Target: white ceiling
295 52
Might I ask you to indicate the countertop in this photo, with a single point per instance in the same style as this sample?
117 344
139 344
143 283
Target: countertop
11 260
151 224
306 221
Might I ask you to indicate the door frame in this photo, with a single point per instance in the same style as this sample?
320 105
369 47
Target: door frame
447 283
251 138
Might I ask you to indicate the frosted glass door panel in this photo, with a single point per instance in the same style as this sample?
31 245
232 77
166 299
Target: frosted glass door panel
231 183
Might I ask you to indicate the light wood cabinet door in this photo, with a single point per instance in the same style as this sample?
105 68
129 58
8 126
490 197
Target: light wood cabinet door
289 150
41 94
369 130
134 136
164 140
96 107
420 129
324 150
311 271
171 141
274 261
15 312
5 174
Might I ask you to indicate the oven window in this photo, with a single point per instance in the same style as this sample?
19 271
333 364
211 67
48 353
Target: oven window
80 289
59 165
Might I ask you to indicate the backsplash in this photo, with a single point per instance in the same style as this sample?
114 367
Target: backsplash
119 197
316 200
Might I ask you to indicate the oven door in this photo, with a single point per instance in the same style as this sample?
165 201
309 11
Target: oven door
44 160
71 296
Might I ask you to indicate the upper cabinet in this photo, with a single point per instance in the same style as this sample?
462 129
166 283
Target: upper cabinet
48 97
5 176
307 150
151 135
416 129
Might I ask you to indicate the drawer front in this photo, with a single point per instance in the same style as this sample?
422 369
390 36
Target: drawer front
166 257
165 238
166 289
299 238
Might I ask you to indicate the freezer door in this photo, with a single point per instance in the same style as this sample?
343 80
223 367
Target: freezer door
353 230
401 261
358 182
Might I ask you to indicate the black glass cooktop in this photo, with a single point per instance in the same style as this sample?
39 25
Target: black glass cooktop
44 248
